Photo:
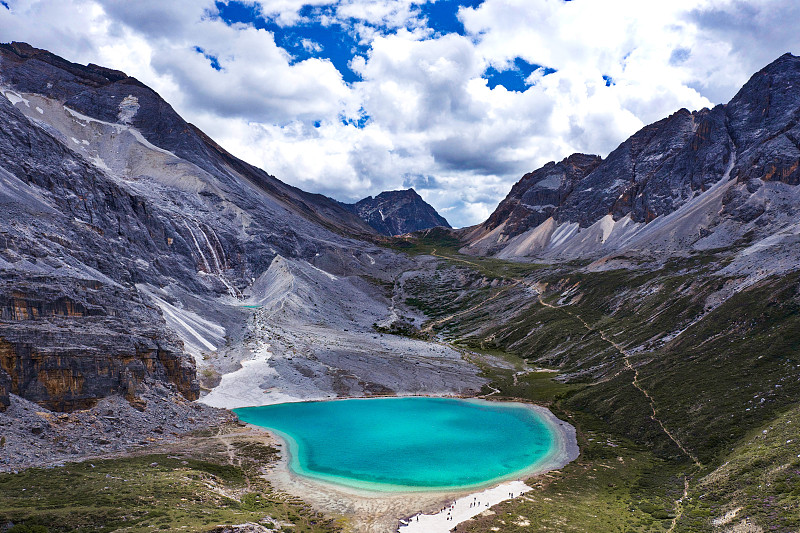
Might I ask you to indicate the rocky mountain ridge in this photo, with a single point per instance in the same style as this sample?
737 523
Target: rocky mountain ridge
397 212
112 96
130 236
697 180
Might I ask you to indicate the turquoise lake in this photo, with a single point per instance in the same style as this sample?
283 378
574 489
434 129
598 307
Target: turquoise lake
388 444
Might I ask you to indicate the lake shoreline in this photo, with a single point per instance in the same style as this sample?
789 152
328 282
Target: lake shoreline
442 521
370 511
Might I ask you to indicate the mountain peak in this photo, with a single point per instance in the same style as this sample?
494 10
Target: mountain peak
398 212
401 193
785 70
788 56
584 205
91 74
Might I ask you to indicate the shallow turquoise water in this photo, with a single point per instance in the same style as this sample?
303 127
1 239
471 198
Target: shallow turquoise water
407 443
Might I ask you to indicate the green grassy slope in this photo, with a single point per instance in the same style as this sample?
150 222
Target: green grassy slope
193 488
757 483
668 359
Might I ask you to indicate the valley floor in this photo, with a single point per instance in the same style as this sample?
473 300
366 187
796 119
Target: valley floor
663 447
219 472
233 474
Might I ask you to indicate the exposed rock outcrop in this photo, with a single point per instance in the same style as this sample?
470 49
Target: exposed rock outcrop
66 344
105 189
5 390
536 197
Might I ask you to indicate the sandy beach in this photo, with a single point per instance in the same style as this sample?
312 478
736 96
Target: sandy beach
385 512
462 509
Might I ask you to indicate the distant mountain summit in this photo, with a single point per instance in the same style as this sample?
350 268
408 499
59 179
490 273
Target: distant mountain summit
398 212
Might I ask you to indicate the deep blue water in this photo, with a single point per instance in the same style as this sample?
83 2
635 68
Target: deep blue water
407 443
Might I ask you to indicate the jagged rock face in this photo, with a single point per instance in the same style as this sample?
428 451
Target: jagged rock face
63 376
697 174
763 118
108 197
66 343
398 212
535 197
654 171
5 390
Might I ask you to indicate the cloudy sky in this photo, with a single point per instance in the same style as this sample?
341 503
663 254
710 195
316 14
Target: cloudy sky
457 98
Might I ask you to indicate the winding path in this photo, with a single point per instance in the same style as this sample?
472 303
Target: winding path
679 505
626 355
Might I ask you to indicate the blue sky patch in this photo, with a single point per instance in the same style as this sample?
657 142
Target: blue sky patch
305 40
212 59
609 80
338 41
442 15
359 122
513 77
5 5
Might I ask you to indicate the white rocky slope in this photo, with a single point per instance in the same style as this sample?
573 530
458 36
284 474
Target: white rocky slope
668 233
298 331
311 336
771 253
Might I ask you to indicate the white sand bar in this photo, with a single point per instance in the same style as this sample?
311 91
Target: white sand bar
463 509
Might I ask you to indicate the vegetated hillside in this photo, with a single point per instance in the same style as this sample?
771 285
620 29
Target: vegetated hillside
693 181
677 363
397 212
201 484
673 323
